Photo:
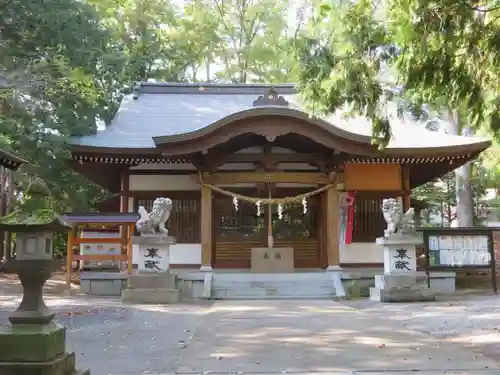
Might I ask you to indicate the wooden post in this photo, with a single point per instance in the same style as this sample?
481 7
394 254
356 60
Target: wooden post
124 193
69 257
321 229
332 226
405 172
206 228
129 249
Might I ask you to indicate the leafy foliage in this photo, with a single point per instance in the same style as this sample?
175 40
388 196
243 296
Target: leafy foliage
442 53
50 56
65 64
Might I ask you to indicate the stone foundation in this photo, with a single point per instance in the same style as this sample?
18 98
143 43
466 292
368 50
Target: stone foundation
97 283
36 349
407 287
154 288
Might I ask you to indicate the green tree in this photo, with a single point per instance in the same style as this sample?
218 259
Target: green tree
50 55
441 53
248 41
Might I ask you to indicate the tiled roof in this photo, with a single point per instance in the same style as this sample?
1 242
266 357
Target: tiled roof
166 109
170 109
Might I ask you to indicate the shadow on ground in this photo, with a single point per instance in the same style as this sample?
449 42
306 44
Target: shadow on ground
316 336
111 338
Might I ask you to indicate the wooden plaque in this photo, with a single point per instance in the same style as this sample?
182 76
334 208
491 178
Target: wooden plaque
373 177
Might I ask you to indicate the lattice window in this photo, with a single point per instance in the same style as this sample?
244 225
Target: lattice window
245 224
241 224
185 218
294 223
369 221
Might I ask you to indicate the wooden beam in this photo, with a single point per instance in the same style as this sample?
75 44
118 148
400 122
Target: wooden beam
206 228
202 163
77 241
311 178
332 226
95 257
215 160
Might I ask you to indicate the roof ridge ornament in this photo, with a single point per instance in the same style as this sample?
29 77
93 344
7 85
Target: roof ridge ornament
271 98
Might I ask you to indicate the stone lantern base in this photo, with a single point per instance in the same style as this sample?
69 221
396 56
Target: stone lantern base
33 344
33 349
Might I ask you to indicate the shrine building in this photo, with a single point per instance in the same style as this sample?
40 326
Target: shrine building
247 168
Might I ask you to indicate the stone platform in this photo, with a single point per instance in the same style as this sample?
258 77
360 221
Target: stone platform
96 283
401 288
151 287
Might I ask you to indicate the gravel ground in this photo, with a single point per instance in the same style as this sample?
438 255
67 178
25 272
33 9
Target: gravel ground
111 338
468 320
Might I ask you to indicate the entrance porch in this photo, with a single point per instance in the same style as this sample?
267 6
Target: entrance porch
239 235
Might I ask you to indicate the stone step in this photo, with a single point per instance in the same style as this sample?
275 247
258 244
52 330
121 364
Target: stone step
272 286
150 296
151 281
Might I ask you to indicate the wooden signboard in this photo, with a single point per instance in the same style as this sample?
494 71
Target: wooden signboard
373 177
457 249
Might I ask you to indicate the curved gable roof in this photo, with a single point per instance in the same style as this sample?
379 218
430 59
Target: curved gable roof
255 112
166 112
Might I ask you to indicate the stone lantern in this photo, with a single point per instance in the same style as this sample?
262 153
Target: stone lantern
34 344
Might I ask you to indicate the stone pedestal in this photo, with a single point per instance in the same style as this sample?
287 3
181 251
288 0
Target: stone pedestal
400 282
33 344
153 252
153 282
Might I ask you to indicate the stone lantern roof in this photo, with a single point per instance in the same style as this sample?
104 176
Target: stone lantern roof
35 214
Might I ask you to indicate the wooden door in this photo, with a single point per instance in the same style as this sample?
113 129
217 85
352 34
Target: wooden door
299 230
236 232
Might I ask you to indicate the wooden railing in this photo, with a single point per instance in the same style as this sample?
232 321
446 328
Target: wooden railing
125 242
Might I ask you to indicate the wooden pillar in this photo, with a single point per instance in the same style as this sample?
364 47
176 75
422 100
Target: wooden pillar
321 229
332 226
405 174
206 228
124 194
69 257
124 191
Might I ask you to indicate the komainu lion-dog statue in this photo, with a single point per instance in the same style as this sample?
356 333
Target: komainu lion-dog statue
397 223
154 221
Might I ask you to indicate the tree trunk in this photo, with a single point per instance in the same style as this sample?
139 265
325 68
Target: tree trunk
465 201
